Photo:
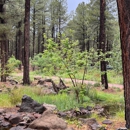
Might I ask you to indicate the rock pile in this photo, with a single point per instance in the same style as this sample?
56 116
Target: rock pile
32 116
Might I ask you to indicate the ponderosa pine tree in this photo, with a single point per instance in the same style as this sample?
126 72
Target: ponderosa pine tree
124 23
3 41
26 79
102 44
80 21
58 18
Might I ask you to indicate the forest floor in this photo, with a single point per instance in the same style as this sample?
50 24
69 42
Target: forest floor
117 123
79 81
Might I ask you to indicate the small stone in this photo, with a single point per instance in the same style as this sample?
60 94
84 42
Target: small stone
18 105
89 108
37 77
17 128
69 128
2 111
62 114
5 124
7 116
107 122
26 118
95 126
23 123
122 128
1 118
49 106
36 115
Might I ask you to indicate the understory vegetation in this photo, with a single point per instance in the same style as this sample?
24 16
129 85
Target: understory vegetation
90 95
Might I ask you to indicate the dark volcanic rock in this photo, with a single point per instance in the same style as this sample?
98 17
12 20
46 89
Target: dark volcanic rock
15 119
29 105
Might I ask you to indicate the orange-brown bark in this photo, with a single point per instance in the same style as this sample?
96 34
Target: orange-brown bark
26 79
124 23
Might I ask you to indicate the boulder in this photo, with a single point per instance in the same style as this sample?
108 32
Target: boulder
29 105
49 121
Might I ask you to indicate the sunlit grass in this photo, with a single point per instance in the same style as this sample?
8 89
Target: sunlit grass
120 115
62 101
4 100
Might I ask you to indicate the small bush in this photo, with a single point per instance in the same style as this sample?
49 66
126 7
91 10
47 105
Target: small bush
16 96
97 85
11 65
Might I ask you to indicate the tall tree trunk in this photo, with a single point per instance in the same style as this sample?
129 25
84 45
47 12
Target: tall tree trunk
43 32
102 42
34 29
16 45
4 48
26 79
39 42
59 28
53 32
124 22
3 61
20 44
84 43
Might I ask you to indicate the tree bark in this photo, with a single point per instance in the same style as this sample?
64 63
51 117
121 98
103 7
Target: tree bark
124 23
20 44
39 42
102 41
4 45
34 29
26 79
43 32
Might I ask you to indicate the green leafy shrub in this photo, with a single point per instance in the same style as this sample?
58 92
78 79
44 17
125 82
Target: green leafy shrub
12 64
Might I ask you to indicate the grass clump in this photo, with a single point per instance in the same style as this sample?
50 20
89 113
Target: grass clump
4 100
120 115
65 101
62 101
15 96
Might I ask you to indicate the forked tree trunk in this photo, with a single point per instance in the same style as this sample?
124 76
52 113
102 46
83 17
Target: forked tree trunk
26 79
102 40
124 22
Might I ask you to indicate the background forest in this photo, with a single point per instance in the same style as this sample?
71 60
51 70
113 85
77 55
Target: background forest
41 38
52 25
